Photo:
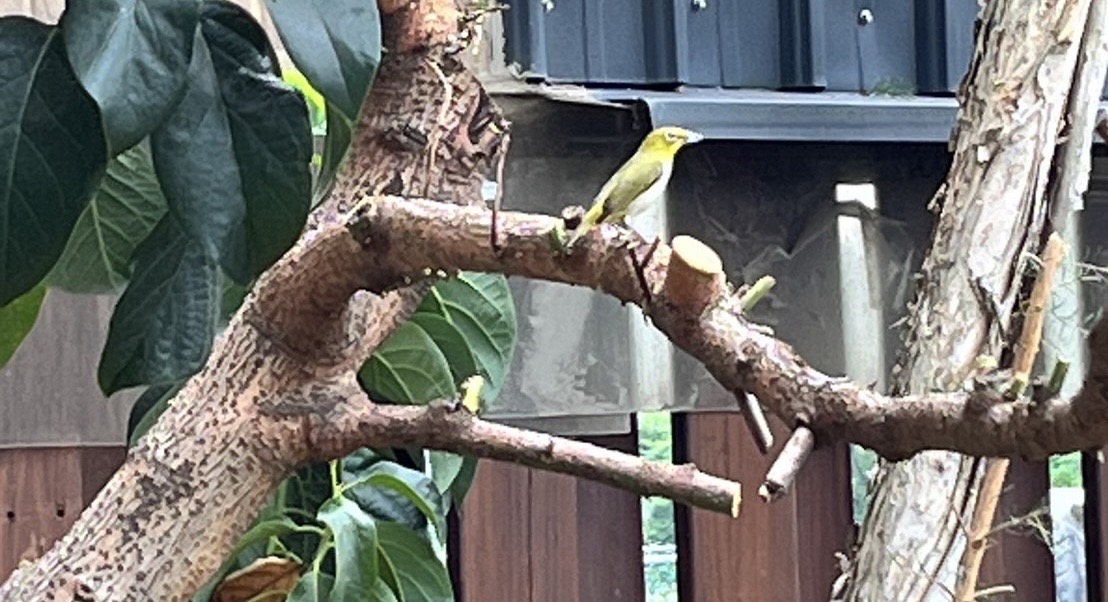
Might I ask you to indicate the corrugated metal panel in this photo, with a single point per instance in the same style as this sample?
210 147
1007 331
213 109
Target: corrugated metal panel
843 45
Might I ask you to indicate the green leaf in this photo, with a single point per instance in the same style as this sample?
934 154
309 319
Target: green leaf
370 489
445 467
355 537
234 158
162 328
421 576
383 593
123 212
148 408
478 308
52 152
389 577
132 56
195 161
335 145
304 493
408 368
258 533
335 43
317 106
312 587
460 487
231 296
16 321
272 135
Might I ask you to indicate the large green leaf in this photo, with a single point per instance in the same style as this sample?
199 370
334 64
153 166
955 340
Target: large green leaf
389 491
355 539
421 575
461 484
162 328
478 308
272 132
52 152
335 145
234 158
466 325
312 587
408 368
132 56
195 160
335 43
123 212
16 320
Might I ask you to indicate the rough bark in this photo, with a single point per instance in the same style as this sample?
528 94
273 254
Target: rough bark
1014 103
166 520
407 237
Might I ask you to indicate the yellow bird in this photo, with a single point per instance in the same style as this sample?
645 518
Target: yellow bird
639 182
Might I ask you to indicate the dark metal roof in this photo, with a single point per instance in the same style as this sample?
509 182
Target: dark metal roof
770 115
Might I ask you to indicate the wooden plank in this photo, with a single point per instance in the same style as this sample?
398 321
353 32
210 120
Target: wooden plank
40 497
494 538
779 551
610 538
98 464
42 492
532 536
554 538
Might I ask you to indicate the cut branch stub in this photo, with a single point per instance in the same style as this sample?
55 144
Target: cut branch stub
785 468
695 275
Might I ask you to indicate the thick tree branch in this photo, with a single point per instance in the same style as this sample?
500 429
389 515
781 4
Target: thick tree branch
410 237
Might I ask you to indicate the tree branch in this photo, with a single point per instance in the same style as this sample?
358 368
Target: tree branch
350 420
408 237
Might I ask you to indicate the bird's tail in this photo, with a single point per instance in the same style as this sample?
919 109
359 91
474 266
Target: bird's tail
593 217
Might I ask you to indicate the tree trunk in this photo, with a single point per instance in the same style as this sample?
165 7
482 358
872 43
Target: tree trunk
1010 145
167 519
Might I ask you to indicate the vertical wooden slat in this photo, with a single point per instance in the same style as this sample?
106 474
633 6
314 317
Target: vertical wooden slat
531 536
98 464
779 551
494 535
554 537
1019 556
823 505
1096 519
610 537
42 492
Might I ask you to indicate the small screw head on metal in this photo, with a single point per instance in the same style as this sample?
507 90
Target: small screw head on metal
865 17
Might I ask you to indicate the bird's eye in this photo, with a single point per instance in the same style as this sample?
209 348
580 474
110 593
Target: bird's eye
671 136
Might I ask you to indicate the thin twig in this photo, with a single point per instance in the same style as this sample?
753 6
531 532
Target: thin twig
997 468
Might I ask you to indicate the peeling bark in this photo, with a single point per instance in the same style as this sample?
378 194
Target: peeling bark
994 209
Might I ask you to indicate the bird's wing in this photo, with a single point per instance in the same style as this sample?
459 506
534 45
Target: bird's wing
630 181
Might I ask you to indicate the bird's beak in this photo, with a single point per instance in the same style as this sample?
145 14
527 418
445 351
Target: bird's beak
694 137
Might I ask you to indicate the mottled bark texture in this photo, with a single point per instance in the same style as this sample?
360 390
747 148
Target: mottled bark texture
409 236
1016 105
